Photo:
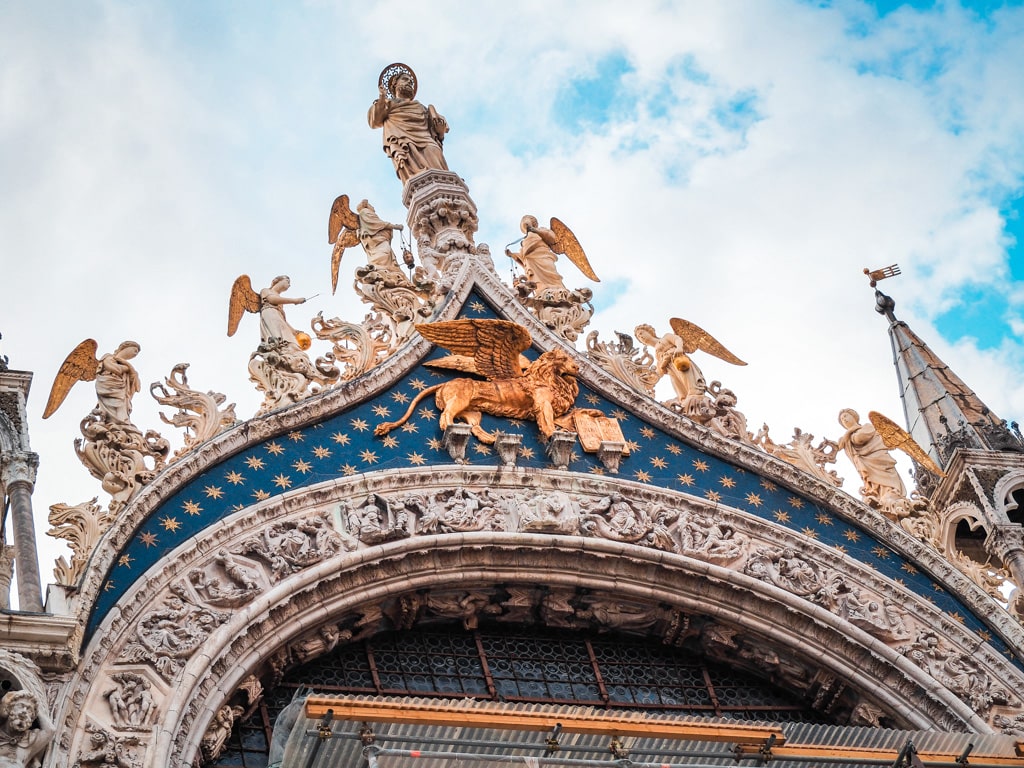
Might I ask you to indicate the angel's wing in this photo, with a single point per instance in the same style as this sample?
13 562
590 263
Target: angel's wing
243 299
894 436
341 216
80 365
696 338
348 238
570 246
494 345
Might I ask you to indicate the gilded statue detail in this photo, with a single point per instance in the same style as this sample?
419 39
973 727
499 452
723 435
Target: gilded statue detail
541 391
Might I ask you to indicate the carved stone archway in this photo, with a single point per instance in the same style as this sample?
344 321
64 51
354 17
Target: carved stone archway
301 564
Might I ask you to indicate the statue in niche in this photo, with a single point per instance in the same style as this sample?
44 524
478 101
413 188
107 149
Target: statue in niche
566 312
25 730
130 700
413 134
217 733
672 358
324 641
279 367
867 446
542 391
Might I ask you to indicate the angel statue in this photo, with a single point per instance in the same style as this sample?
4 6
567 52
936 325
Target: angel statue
672 358
539 251
364 227
413 134
279 367
116 379
541 288
112 448
543 391
868 446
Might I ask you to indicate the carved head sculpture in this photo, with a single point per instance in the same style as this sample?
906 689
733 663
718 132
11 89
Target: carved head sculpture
527 223
280 283
19 709
849 418
127 350
404 86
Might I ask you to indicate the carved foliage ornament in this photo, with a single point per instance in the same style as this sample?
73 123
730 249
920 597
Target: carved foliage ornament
199 413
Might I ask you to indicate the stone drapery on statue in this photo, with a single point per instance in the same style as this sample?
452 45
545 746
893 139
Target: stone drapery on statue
413 133
346 228
541 391
868 446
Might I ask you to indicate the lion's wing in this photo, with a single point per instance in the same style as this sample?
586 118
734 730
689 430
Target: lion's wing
494 345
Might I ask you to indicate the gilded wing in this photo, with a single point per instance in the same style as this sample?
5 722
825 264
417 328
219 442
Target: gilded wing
80 365
243 299
696 338
894 436
341 216
494 345
570 246
348 238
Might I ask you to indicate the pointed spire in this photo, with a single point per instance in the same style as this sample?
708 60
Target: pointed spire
942 412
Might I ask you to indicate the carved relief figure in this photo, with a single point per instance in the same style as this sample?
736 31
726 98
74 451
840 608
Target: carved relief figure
21 744
324 641
167 637
959 672
130 700
376 520
552 512
459 511
413 134
107 750
219 730
543 391
786 569
704 537
240 585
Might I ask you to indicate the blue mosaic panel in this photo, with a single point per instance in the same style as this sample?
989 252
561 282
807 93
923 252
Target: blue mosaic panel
344 445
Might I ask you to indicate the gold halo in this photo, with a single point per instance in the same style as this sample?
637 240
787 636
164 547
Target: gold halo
390 72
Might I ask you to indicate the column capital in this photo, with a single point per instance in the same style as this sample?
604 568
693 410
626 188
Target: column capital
19 467
1003 540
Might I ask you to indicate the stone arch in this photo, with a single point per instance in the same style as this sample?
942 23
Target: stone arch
355 580
1008 495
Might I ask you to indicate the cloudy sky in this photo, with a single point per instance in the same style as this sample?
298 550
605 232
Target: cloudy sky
734 163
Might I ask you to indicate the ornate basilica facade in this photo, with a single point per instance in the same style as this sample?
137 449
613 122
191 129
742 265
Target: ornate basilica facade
457 536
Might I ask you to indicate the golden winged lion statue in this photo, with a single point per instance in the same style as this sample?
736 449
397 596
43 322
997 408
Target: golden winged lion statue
541 391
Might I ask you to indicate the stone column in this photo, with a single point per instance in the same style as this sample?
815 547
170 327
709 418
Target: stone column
1007 543
18 479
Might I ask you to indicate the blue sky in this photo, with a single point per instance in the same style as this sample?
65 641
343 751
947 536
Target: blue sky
735 163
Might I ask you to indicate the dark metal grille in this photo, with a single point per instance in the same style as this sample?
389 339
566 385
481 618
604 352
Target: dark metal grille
523 665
